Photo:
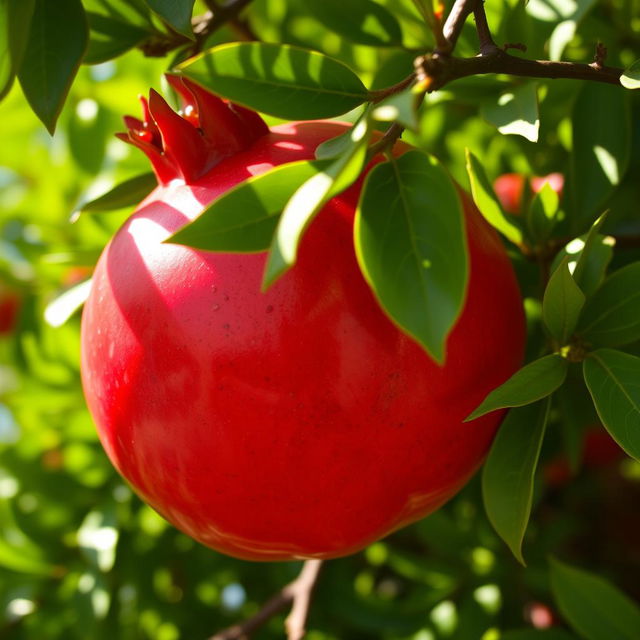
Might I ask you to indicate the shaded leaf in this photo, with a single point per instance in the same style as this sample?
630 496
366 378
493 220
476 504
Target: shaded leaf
309 199
57 41
126 194
515 112
410 243
365 22
594 607
611 316
533 382
543 212
509 472
15 20
593 257
245 218
176 13
613 379
400 108
280 80
537 634
563 300
110 38
488 203
601 141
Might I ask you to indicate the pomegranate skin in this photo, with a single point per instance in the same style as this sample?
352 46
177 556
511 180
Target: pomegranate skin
296 423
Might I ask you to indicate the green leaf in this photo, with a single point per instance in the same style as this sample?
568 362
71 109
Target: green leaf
534 381
509 472
15 20
411 246
613 379
630 79
110 38
308 199
126 194
280 80
601 142
245 218
563 300
594 607
611 316
593 257
365 22
400 108
88 126
488 203
515 112
542 215
57 41
332 148
176 13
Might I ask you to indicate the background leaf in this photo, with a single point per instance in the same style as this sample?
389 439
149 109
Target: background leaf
410 243
280 80
631 76
508 473
57 41
176 13
613 379
365 22
601 135
611 316
595 608
109 38
515 112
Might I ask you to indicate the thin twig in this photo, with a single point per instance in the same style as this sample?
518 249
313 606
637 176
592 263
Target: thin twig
380 94
456 19
297 594
487 45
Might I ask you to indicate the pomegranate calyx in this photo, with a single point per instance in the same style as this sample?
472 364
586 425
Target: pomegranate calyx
188 144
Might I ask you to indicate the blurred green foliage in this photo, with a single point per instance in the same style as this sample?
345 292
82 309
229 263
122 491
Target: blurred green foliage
82 557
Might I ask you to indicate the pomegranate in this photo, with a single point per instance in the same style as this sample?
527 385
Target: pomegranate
296 423
509 188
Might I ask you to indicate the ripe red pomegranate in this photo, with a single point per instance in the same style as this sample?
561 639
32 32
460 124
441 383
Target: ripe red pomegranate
296 423
509 188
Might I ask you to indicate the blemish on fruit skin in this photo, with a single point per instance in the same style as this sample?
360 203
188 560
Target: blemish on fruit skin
226 325
269 308
216 307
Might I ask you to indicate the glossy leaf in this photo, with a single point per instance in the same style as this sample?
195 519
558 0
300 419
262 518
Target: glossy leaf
110 38
509 472
398 108
280 80
410 243
601 138
613 379
488 203
542 215
176 13
245 218
534 381
15 20
631 76
611 316
515 112
126 194
57 41
308 199
365 22
593 606
563 300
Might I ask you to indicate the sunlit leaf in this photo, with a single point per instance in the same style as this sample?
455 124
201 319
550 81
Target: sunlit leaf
631 76
410 243
280 80
515 112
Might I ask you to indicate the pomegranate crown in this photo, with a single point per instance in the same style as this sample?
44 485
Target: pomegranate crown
187 144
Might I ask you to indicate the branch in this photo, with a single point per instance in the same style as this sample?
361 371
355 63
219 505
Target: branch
443 70
456 19
297 594
487 45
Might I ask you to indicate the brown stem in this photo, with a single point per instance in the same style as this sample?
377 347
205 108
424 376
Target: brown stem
380 94
487 45
456 19
297 594
443 70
